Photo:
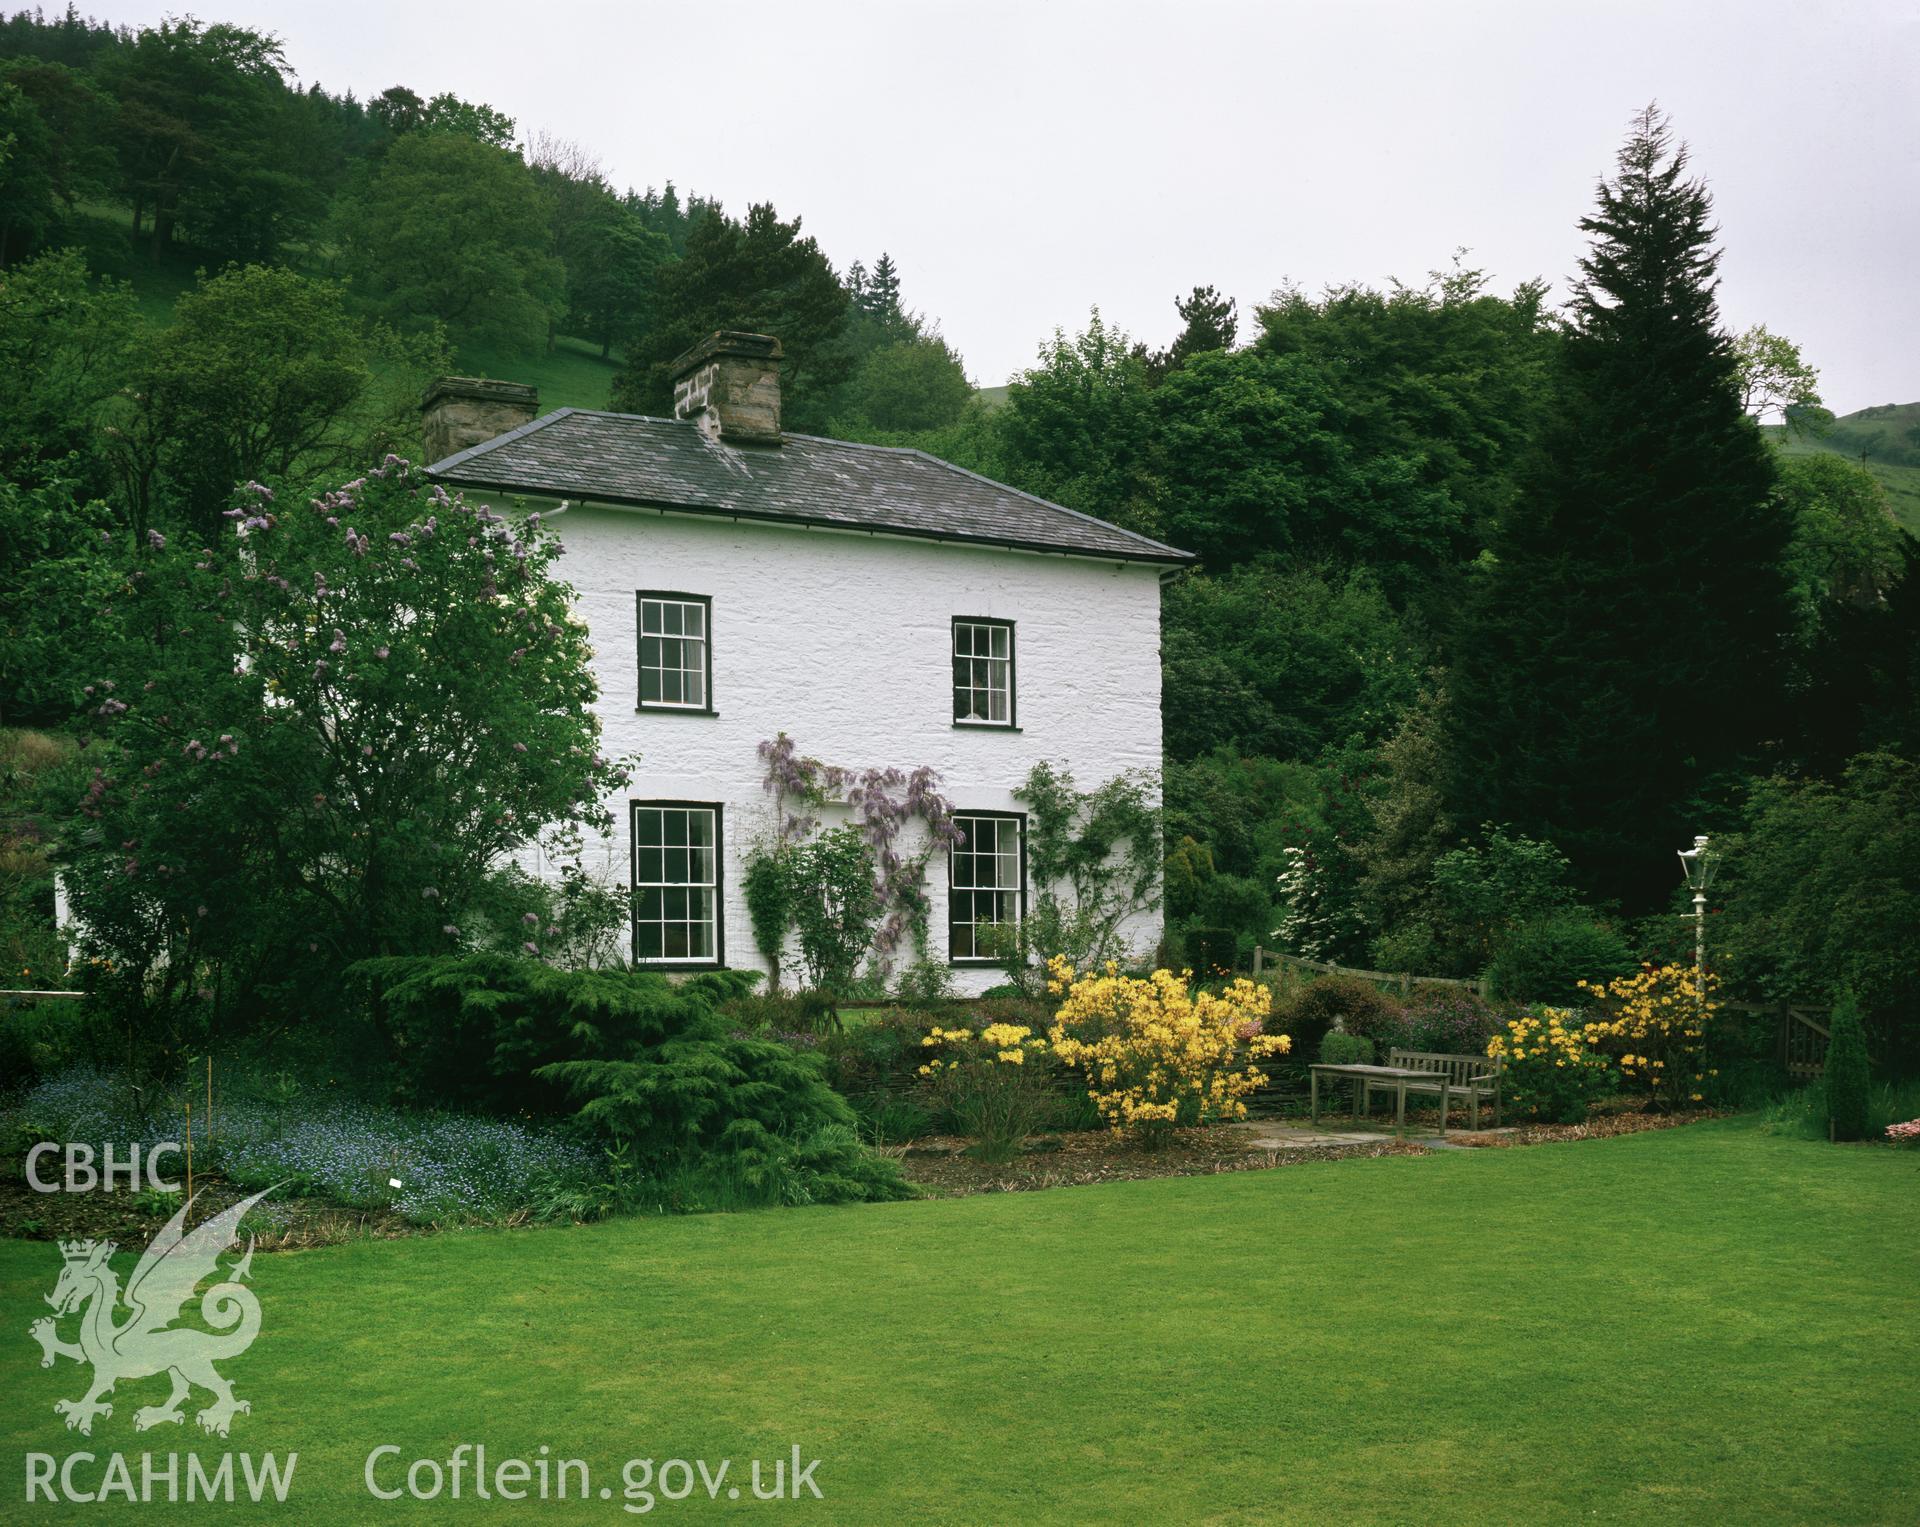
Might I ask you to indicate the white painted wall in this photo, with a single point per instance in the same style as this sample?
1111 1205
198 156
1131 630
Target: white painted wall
843 642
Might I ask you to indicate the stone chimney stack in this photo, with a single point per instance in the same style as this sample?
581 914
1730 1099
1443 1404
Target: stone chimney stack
459 411
729 385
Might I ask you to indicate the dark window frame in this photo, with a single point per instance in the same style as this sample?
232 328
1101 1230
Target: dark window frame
719 810
1012 723
976 961
662 707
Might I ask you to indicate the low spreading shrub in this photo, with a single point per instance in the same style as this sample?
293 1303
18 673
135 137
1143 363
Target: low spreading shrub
1548 1071
642 1062
1448 1020
827 1165
1156 1053
471 1031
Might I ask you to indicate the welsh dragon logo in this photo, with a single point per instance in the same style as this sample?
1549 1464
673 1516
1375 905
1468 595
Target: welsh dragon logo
147 1341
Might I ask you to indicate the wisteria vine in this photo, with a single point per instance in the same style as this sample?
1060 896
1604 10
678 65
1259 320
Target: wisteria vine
883 800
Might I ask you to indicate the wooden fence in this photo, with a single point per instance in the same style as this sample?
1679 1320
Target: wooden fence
1404 981
1802 1035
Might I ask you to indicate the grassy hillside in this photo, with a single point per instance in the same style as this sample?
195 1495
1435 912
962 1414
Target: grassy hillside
1886 440
572 376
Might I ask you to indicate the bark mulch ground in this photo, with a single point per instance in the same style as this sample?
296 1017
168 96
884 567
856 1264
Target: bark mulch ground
940 1166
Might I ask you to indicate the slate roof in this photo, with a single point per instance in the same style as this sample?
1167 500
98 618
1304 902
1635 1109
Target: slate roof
672 464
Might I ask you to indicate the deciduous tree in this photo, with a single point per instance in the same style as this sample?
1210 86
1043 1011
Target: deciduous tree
262 375
454 229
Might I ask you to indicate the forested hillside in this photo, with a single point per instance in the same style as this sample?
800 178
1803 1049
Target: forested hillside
1502 595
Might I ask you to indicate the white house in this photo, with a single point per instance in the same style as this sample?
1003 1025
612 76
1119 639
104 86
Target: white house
879 606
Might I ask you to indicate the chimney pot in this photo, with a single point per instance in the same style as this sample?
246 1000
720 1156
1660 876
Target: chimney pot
729 385
459 411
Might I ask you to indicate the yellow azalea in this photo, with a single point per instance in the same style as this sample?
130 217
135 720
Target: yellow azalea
1146 1043
1657 1018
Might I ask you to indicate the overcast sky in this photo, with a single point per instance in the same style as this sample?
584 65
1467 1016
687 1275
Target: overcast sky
1025 161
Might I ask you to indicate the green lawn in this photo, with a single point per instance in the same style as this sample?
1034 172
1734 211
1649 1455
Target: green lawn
1705 1324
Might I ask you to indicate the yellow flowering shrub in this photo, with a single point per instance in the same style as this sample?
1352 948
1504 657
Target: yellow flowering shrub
982 1080
1547 1069
1155 1052
1656 1027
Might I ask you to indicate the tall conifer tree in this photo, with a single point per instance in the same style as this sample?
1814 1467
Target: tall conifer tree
1627 643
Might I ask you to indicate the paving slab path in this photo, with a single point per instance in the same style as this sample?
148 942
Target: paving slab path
1279 1135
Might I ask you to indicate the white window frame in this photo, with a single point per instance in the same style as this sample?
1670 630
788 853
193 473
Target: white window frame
693 654
701 877
1009 877
997 668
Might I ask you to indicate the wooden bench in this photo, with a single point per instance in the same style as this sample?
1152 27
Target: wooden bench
1472 1076
1397 1080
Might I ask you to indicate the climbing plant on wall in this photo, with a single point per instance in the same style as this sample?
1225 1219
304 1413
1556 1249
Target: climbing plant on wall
1094 857
884 801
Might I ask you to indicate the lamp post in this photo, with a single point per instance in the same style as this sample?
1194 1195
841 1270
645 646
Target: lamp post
1698 866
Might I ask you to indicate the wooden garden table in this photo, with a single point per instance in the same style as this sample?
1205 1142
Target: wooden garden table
1366 1078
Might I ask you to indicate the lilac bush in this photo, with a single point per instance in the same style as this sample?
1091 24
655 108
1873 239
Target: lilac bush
320 732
